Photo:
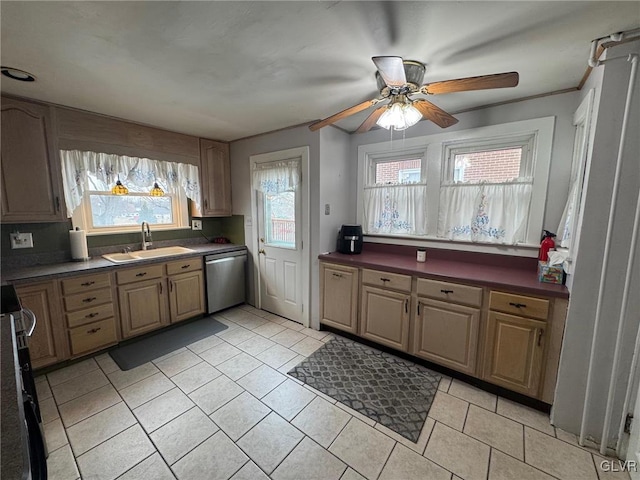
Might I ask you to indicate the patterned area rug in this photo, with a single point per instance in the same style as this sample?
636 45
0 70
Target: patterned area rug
394 392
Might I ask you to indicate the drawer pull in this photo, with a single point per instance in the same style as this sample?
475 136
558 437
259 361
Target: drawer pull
517 305
446 291
141 274
95 330
91 315
339 275
540 333
385 280
186 266
89 299
87 284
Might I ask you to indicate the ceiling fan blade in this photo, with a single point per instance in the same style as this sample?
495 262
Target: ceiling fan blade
434 113
371 120
391 70
343 114
498 80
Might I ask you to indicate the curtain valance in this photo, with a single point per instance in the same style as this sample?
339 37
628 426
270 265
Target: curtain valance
84 171
277 177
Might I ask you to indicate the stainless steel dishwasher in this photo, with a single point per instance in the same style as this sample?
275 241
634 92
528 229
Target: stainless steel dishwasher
226 274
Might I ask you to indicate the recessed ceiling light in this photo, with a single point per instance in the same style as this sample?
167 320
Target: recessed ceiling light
17 74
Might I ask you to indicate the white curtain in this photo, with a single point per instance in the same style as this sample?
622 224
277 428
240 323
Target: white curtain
277 177
568 215
83 171
488 213
395 209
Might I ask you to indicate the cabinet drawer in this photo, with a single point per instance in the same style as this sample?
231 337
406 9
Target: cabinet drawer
85 283
387 280
451 292
93 336
183 266
141 273
89 315
519 305
87 299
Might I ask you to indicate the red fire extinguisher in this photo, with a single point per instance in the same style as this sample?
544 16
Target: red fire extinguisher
547 244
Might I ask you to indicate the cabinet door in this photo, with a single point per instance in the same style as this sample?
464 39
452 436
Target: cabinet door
143 307
514 352
186 295
385 317
447 334
31 180
48 344
216 178
339 297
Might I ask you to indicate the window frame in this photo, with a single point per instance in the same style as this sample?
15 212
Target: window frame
433 149
82 217
390 157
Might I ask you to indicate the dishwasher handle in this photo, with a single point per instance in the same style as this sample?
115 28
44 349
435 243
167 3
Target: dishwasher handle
220 260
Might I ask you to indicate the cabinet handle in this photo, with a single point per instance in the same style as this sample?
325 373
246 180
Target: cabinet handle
540 333
517 305
88 300
94 330
170 286
385 280
205 203
446 291
141 274
186 266
406 306
91 315
160 287
57 204
418 308
86 284
339 275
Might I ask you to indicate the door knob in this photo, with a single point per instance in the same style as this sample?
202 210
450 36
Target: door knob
262 252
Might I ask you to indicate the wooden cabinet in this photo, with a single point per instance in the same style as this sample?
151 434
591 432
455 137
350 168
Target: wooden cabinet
186 290
385 317
339 297
447 334
48 344
31 179
215 171
90 313
143 306
514 352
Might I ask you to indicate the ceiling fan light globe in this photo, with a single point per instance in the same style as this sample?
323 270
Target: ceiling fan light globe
411 115
399 116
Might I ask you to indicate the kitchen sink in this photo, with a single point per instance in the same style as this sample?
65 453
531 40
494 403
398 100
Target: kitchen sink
146 254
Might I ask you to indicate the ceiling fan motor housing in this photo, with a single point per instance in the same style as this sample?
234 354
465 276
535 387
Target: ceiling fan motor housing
414 73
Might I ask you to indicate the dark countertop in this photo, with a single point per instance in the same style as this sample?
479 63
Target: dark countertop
515 278
12 446
46 272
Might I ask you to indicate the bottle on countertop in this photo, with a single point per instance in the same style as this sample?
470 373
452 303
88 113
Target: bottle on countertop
548 243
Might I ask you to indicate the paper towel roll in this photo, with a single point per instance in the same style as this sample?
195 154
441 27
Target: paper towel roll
79 249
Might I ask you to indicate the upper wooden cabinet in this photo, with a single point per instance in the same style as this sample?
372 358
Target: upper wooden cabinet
215 172
31 179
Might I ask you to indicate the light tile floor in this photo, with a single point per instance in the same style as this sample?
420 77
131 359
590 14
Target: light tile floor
224 408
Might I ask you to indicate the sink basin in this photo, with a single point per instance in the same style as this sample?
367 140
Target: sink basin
145 254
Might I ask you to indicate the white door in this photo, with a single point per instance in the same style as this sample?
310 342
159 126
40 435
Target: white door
280 260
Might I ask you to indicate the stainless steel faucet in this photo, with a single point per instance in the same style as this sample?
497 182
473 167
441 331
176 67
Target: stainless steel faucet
146 236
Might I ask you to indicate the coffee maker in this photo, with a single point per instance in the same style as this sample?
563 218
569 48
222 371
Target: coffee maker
350 239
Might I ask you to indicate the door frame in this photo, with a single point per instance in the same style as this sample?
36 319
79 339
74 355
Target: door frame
303 153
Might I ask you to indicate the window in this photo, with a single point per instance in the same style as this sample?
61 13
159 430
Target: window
280 219
485 185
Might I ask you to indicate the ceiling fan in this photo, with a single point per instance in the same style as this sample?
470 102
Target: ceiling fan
397 81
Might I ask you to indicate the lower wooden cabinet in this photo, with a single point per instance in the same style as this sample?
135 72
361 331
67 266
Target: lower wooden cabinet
339 297
447 334
514 352
385 317
48 344
186 295
143 306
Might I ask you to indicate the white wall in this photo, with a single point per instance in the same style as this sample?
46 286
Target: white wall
561 106
579 331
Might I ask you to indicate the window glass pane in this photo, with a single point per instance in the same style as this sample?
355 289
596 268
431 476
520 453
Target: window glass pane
118 210
280 219
490 166
400 171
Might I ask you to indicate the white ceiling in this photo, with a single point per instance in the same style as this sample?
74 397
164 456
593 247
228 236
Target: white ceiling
228 70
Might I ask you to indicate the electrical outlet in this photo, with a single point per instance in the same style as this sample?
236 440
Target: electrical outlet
21 240
327 209
196 224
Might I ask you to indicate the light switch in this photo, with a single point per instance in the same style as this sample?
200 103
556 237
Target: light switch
21 240
327 209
